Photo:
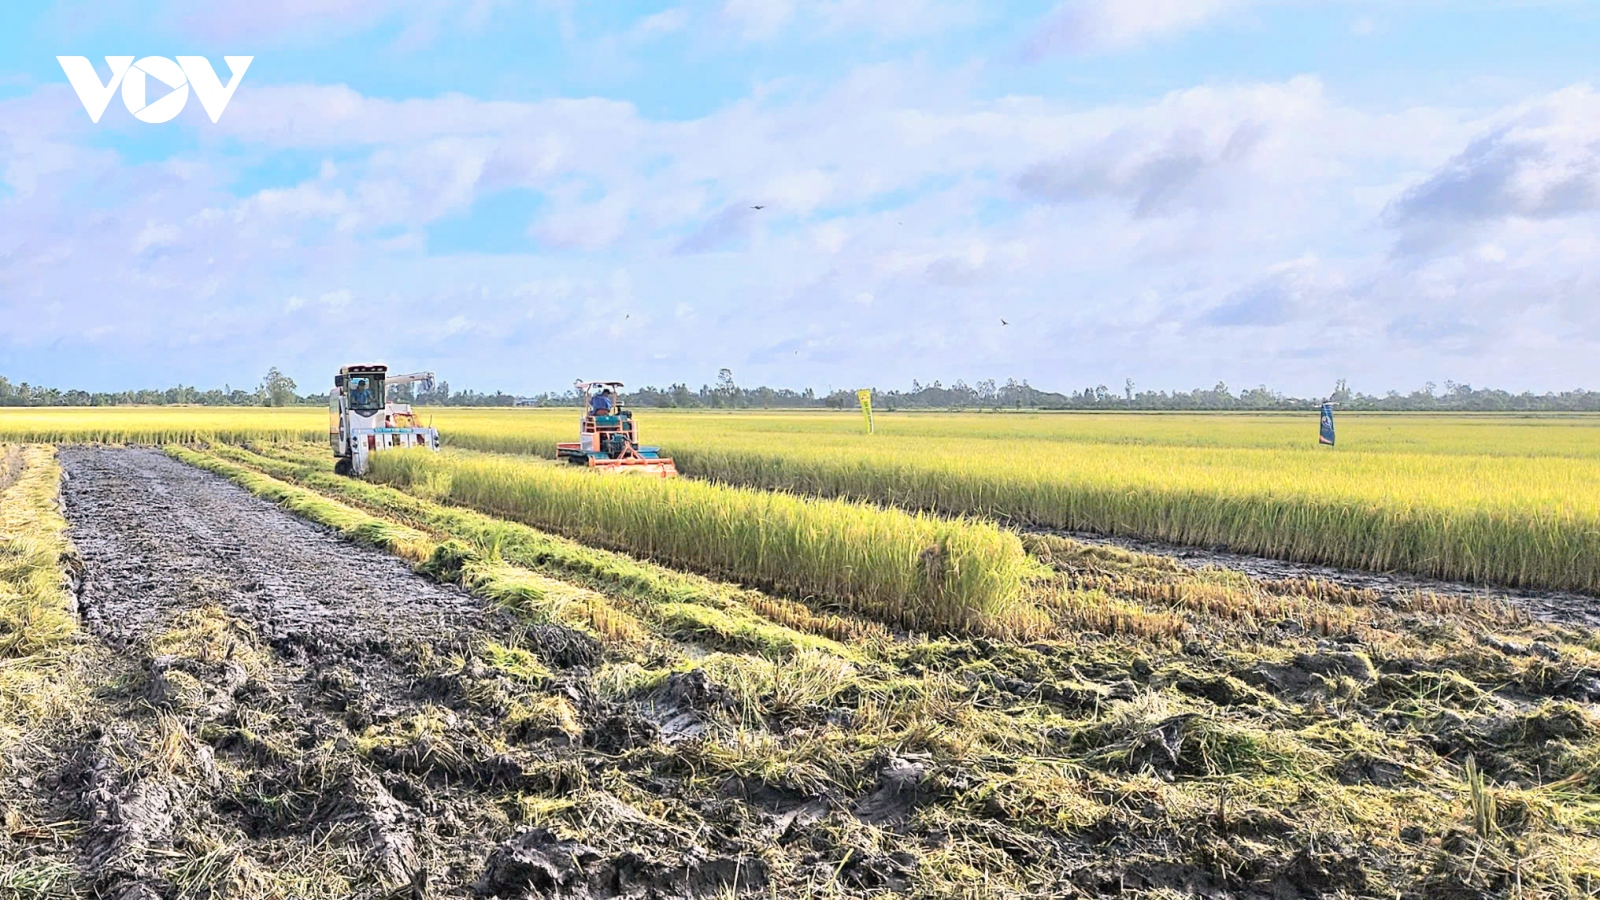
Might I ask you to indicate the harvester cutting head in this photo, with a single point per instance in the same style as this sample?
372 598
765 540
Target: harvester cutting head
607 440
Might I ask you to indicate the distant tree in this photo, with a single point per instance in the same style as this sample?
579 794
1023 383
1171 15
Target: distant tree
277 389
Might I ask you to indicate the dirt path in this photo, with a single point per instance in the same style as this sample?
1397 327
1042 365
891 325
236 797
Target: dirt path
288 715
1546 606
209 740
157 536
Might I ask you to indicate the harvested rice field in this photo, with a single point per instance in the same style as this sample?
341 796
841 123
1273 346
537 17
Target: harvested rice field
974 655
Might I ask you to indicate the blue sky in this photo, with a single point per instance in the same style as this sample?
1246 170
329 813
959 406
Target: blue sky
515 194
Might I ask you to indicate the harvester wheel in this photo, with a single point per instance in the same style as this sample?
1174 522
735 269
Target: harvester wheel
342 466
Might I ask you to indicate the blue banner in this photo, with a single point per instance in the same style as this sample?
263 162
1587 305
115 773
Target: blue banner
1327 424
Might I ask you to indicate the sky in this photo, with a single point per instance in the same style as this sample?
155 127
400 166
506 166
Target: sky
812 193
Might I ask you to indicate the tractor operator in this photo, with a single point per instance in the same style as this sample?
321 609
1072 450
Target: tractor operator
602 404
361 394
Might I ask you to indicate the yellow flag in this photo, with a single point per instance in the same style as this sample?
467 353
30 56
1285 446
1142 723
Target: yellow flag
865 396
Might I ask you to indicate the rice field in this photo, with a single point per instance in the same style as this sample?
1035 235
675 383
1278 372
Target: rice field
915 571
160 424
1500 499
942 707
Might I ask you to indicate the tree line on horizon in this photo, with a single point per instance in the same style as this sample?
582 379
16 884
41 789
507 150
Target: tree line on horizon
277 389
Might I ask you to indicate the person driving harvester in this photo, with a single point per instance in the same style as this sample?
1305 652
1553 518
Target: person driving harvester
361 394
602 404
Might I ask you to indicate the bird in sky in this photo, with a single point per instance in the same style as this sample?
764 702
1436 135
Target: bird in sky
758 207
1004 322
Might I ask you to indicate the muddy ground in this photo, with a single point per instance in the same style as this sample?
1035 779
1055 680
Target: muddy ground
1547 606
157 537
290 714
278 713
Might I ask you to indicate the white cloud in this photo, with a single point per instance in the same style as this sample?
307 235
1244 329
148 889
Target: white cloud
759 19
1541 162
665 22
156 234
1091 26
1221 231
897 18
762 20
579 225
272 20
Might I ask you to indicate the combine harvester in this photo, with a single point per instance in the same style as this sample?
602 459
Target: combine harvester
362 421
607 439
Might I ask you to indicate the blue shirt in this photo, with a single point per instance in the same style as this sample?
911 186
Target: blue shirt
600 406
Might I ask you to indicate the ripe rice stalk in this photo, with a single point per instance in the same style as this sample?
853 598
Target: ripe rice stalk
916 571
156 425
1497 500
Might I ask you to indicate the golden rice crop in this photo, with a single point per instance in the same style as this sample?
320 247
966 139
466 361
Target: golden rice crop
1495 498
1571 435
160 424
1507 500
914 570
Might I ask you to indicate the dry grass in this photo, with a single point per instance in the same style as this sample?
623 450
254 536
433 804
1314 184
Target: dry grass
36 618
44 696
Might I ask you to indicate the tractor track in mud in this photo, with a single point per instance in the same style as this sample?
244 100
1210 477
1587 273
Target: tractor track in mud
369 733
160 541
157 536
1554 607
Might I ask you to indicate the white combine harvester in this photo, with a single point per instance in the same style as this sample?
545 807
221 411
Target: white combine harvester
362 421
